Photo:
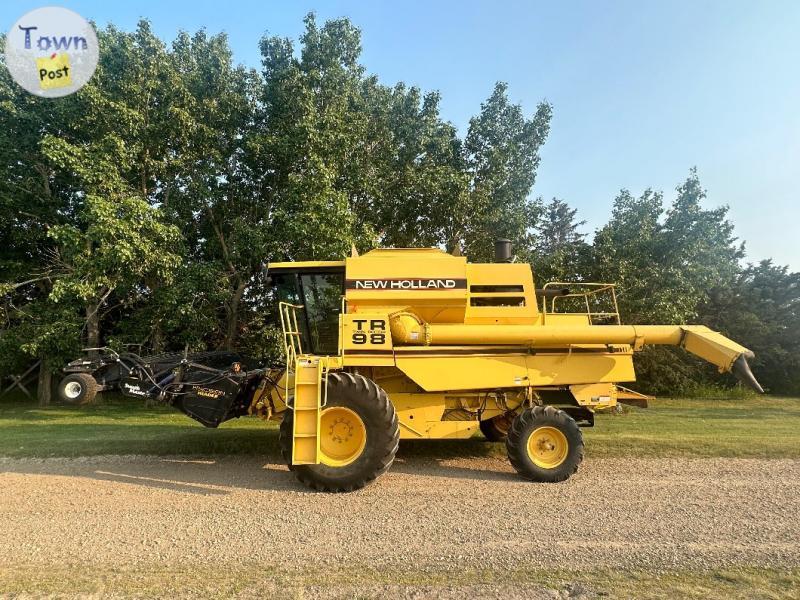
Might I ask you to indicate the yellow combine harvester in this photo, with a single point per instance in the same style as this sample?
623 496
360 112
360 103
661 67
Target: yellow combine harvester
417 343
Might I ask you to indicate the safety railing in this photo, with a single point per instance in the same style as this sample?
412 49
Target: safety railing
292 345
589 295
342 312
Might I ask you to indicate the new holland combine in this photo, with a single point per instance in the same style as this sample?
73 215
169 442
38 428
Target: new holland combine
420 344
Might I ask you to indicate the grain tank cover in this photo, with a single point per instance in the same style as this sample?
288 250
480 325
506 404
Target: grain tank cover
427 281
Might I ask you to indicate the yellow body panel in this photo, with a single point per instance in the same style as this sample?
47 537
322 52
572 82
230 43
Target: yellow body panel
432 281
596 395
440 371
500 294
365 340
424 416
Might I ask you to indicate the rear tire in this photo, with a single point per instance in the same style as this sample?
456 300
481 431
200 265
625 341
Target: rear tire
545 444
376 414
77 388
496 429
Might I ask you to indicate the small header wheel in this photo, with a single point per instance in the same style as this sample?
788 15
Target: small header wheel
545 444
77 388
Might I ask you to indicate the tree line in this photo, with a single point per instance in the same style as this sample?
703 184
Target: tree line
141 209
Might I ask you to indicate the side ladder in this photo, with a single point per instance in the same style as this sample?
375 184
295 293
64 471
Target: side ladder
310 389
310 396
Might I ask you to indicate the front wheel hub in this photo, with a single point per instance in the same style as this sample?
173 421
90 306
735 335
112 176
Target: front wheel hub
343 436
72 390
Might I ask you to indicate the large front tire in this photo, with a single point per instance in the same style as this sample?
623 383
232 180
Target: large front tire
545 444
359 436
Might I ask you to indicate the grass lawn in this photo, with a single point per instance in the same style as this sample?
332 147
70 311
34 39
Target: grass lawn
763 427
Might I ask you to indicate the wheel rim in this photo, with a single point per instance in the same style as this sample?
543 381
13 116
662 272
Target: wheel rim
72 390
343 436
547 447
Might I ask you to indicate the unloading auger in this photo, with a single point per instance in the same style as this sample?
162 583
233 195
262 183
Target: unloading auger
713 347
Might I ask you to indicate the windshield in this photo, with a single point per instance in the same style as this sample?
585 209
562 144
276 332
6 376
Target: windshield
321 295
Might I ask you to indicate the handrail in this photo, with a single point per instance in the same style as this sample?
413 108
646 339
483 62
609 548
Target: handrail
594 289
292 345
340 344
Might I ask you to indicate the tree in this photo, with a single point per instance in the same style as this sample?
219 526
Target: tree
560 247
122 245
502 155
666 264
762 306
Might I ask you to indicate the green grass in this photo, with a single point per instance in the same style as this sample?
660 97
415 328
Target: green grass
763 427
122 426
759 427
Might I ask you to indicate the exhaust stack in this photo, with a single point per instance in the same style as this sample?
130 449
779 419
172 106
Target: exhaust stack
502 251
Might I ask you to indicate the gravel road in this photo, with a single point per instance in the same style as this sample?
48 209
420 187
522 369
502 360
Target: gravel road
646 514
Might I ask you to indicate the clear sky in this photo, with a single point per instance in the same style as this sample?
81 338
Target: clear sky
642 91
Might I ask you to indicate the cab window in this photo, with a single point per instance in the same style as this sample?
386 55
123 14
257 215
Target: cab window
320 293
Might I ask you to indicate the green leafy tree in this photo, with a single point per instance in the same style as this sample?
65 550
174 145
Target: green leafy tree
502 153
561 250
762 308
666 262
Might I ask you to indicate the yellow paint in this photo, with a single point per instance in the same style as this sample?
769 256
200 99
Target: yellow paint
442 305
485 370
365 339
343 436
484 282
452 342
595 395
308 400
711 346
409 330
441 416
547 447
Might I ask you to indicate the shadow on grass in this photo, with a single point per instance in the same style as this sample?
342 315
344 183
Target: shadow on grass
185 457
17 412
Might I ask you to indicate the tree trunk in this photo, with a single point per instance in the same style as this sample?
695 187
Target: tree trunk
233 316
45 387
156 338
92 328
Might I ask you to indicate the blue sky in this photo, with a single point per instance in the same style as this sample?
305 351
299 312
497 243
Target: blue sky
642 91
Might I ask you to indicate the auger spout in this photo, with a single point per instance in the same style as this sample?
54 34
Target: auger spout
741 369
